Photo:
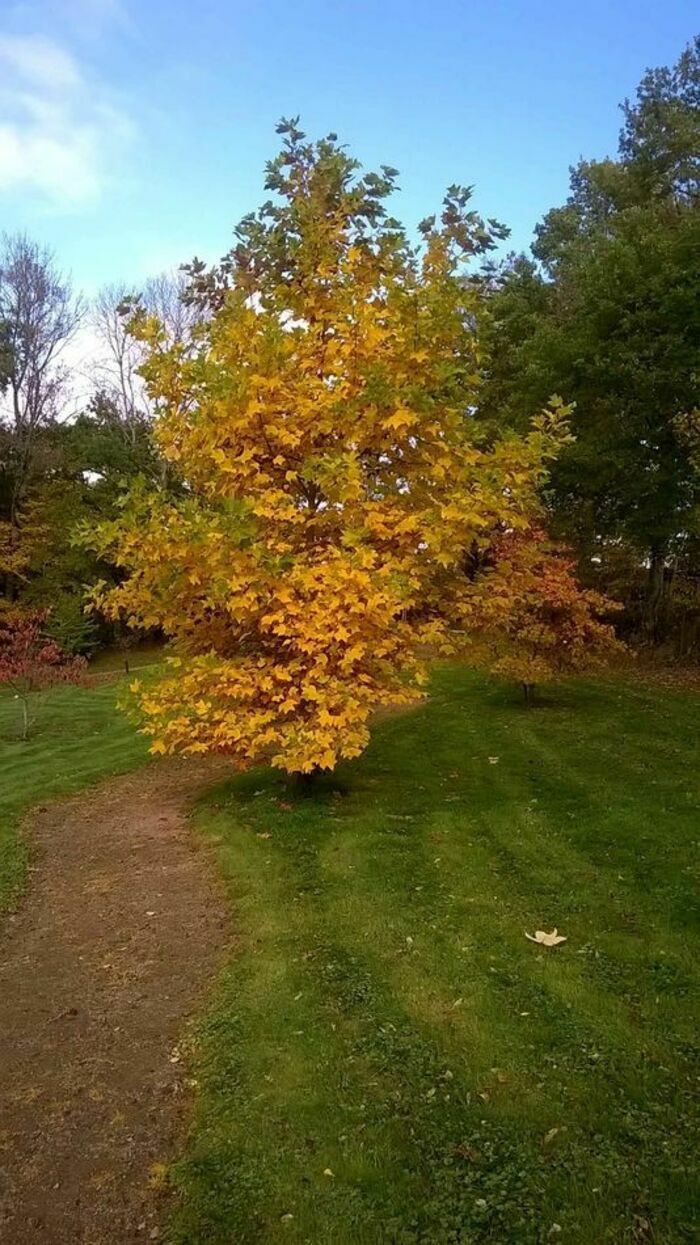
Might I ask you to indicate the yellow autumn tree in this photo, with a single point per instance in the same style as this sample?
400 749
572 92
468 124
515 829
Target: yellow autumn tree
332 479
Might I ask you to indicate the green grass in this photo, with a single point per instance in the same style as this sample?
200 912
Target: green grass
78 736
106 660
384 1018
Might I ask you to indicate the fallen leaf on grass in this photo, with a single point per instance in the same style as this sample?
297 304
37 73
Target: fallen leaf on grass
544 939
549 1136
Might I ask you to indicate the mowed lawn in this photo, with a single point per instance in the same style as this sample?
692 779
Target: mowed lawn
387 1058
78 736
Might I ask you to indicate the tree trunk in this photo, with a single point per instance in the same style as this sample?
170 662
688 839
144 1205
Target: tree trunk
654 593
25 719
306 783
529 693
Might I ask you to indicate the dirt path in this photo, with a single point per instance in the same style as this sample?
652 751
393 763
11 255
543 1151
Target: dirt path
121 930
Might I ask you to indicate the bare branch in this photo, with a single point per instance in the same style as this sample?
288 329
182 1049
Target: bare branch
39 314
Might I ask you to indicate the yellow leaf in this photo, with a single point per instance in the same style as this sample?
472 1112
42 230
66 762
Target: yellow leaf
546 940
401 418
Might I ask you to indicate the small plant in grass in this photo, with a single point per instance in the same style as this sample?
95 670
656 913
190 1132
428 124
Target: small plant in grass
31 660
532 621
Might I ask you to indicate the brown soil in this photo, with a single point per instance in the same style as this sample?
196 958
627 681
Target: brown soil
120 933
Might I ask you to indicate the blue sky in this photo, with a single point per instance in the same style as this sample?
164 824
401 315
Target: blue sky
133 133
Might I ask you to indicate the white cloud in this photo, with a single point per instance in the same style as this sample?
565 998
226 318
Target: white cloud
39 62
59 129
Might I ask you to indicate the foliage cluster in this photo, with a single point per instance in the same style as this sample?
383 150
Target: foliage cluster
320 415
608 312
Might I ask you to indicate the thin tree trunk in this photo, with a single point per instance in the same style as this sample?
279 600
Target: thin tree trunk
655 593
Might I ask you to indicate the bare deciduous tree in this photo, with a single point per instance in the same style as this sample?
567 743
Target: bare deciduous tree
164 297
39 314
117 370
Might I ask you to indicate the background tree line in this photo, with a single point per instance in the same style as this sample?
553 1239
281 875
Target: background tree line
62 468
604 312
607 312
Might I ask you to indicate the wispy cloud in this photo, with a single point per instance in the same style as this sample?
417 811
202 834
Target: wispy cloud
83 20
60 131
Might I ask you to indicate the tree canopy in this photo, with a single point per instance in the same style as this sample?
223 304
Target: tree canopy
608 314
334 477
